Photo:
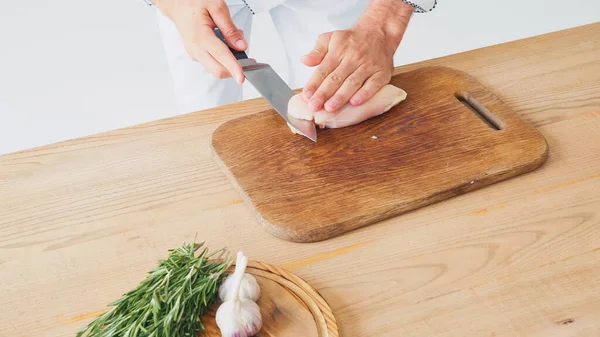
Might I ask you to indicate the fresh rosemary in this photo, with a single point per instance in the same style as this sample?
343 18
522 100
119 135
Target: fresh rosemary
170 301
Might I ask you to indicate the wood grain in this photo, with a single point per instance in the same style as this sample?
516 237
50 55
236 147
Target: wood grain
430 147
289 306
82 221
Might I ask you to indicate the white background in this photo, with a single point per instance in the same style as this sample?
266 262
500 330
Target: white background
71 68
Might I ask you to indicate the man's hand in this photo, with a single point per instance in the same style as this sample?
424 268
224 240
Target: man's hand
195 21
354 64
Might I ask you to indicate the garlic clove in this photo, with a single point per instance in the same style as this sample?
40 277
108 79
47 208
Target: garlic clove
249 288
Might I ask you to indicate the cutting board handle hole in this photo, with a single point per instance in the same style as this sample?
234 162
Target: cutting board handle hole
484 114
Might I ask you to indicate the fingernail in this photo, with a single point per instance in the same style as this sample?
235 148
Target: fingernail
314 104
355 100
331 104
308 94
240 78
240 44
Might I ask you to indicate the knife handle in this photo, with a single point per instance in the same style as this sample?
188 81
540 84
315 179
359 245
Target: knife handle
239 55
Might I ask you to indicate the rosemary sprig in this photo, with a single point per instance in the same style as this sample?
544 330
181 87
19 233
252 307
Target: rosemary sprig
170 301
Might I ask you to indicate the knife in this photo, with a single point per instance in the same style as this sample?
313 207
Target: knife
272 87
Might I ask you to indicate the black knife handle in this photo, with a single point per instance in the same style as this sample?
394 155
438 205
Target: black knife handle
239 55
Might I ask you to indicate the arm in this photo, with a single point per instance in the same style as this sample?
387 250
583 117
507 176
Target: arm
352 65
388 18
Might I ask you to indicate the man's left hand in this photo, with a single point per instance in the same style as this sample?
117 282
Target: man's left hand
354 64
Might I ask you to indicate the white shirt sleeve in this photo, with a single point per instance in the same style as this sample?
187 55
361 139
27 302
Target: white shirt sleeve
422 6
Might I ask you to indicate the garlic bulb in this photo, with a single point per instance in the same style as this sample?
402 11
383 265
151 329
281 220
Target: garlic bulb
249 288
238 317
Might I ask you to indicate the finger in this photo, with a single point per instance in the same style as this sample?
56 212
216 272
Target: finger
319 75
317 54
249 58
370 88
217 49
330 85
200 55
212 65
350 86
222 19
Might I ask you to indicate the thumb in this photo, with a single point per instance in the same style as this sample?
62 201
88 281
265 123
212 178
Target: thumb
317 54
233 35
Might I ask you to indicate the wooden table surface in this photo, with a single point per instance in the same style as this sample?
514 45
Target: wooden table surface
83 221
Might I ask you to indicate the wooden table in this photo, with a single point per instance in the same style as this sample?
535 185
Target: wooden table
82 221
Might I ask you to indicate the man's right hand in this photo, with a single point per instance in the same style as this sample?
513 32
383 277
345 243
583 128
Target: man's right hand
195 21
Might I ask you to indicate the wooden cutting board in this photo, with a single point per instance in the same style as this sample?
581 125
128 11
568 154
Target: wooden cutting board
450 136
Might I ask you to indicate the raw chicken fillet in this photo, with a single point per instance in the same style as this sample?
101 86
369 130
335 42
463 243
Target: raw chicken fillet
385 99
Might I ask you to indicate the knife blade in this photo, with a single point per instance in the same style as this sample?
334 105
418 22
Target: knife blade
273 88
